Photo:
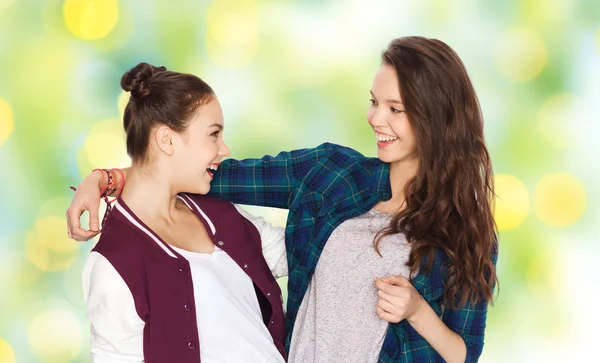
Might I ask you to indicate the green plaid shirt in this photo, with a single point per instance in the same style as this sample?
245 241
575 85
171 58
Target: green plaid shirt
322 187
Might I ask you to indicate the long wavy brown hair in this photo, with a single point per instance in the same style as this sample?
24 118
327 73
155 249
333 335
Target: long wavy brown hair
449 201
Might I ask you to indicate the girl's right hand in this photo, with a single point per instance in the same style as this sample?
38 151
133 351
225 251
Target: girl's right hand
87 198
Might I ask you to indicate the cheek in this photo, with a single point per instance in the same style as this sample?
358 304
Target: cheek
370 114
402 128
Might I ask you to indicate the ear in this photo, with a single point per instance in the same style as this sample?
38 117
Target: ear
164 138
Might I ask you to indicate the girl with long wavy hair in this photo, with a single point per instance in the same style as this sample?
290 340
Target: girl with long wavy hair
390 259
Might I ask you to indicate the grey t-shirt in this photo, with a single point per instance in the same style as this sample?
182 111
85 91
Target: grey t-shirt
336 321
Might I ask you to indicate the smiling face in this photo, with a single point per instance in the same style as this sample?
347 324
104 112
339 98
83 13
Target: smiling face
200 149
387 116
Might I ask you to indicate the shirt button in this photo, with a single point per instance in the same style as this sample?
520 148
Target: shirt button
245 265
272 321
220 243
180 269
268 294
192 345
188 307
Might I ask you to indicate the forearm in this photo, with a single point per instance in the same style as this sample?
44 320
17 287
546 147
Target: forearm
446 342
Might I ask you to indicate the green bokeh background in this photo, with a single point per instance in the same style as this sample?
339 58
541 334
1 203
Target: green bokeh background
293 74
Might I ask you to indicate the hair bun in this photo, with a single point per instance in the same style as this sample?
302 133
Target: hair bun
138 79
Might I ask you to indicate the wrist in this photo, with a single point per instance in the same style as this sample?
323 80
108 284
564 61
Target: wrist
99 178
119 181
420 311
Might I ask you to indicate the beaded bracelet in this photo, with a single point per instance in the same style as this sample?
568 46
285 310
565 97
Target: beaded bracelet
122 182
109 187
106 190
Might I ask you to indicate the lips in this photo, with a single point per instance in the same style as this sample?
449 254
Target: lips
212 167
385 140
384 144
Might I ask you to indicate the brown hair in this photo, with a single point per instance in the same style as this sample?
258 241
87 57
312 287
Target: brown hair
159 97
449 200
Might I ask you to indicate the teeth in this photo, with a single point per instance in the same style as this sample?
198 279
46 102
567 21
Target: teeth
383 137
213 167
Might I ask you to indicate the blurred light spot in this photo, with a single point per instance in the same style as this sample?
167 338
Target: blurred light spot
91 19
232 37
16 272
559 199
543 276
122 102
520 54
104 147
7 354
512 202
547 13
96 100
48 245
5 4
44 259
97 148
55 336
54 207
7 123
556 120
53 235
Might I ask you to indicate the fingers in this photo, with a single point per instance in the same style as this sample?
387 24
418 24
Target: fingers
388 288
391 301
386 306
74 229
391 298
396 280
386 316
94 221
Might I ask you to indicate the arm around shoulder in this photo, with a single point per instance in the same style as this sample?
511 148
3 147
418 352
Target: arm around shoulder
273 243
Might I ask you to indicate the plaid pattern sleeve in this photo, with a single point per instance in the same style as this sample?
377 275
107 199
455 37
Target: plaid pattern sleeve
268 181
469 323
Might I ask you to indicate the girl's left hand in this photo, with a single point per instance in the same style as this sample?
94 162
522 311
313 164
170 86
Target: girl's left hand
398 299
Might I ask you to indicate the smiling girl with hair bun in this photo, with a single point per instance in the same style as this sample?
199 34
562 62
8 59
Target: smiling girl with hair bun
178 276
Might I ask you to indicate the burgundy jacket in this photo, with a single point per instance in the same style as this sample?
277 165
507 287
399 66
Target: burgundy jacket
160 281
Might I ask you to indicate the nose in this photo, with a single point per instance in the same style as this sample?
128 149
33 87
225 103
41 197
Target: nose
224 150
376 118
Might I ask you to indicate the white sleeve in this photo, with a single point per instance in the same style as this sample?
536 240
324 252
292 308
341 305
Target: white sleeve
273 243
117 331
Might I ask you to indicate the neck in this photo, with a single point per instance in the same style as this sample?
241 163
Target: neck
400 173
150 194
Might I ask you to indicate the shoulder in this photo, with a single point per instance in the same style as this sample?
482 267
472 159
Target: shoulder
120 255
120 241
340 158
331 149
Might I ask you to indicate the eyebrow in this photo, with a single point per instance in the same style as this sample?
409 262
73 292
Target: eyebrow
388 101
217 125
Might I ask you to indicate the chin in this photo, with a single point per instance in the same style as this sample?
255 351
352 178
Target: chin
203 190
387 157
199 188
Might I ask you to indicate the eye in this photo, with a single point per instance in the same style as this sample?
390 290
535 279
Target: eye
395 110
216 133
373 102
